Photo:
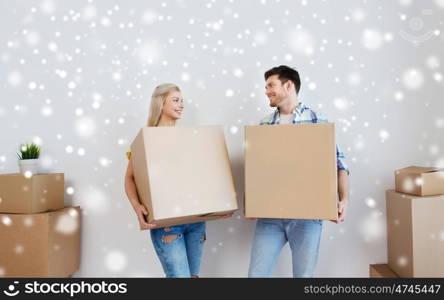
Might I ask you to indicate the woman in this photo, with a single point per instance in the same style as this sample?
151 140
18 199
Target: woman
179 248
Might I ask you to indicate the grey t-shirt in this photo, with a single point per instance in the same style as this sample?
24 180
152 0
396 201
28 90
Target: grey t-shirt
286 119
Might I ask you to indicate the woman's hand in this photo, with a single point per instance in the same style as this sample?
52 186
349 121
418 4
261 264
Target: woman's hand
141 212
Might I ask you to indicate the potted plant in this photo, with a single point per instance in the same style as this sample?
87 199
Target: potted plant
29 158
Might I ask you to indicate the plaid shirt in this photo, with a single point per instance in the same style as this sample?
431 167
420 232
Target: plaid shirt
303 114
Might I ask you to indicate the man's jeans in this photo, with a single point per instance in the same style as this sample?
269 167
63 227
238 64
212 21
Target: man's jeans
272 234
179 248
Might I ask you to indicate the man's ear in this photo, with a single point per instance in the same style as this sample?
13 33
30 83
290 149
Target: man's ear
289 85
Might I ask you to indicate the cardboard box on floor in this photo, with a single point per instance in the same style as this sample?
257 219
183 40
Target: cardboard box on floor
38 193
420 181
381 271
183 174
40 245
291 171
415 229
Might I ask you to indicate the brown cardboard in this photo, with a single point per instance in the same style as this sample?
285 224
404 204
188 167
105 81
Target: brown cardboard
40 245
415 234
381 271
183 174
39 193
291 171
420 181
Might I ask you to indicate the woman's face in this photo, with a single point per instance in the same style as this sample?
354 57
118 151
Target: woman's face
173 106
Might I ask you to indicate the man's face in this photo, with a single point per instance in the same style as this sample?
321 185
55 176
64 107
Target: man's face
275 90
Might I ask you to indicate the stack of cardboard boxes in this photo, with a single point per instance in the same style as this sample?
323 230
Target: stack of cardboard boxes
415 227
39 237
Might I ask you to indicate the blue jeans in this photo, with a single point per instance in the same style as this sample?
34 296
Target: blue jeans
272 234
179 248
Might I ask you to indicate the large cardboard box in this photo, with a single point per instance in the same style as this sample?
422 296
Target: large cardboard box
415 234
381 271
38 193
40 245
420 181
291 171
183 174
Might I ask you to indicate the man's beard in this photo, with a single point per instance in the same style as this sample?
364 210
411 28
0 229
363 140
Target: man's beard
273 104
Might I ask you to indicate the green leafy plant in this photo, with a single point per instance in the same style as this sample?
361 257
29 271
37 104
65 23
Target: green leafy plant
29 151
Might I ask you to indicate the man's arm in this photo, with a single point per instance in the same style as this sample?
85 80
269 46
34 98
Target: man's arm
343 194
343 185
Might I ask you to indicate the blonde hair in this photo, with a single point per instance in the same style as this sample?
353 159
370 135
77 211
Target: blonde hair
158 98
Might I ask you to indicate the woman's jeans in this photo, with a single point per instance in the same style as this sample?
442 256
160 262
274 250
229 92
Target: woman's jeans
272 234
179 248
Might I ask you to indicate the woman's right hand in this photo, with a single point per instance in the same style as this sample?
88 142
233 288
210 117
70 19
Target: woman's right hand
141 212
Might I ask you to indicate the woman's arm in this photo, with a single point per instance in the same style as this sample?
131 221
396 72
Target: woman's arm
131 193
130 186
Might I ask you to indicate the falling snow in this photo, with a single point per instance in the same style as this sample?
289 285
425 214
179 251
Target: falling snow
77 80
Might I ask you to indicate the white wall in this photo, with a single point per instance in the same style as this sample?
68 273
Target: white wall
78 75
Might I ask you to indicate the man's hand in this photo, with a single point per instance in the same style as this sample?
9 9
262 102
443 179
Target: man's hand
141 212
226 216
342 208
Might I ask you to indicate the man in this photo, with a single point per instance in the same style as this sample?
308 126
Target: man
282 88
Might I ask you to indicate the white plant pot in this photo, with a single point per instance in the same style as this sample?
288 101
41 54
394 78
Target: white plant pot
31 165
